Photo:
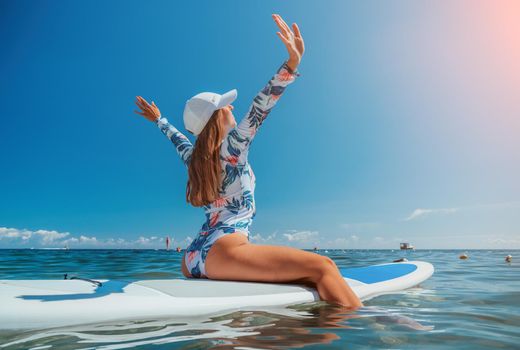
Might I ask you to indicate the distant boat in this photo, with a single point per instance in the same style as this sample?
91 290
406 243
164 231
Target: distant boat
406 246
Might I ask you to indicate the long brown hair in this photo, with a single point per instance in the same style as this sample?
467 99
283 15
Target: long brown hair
204 169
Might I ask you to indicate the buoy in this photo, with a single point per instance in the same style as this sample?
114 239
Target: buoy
509 258
463 256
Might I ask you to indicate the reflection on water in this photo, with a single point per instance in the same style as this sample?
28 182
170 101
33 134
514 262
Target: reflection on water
294 327
467 304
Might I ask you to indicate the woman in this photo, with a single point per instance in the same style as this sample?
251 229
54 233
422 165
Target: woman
221 180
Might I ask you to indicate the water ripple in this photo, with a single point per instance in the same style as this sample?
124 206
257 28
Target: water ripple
471 304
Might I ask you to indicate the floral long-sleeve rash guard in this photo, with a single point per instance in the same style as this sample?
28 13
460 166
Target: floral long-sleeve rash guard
234 210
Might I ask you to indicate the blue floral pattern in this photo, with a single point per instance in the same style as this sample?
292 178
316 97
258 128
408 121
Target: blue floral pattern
235 208
182 144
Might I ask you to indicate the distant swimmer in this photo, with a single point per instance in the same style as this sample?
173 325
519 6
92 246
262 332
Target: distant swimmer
509 258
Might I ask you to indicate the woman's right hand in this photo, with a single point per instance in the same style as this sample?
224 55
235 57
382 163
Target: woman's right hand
149 111
293 41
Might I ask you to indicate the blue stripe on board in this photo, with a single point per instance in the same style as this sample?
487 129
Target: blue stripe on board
374 274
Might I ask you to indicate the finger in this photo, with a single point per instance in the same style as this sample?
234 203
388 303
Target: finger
139 113
141 107
284 24
284 39
280 25
139 104
143 101
286 29
296 30
300 45
146 103
287 43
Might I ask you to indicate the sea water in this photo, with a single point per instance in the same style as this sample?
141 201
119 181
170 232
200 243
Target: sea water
466 304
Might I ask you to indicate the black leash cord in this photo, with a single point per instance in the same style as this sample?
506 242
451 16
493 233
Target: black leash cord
97 283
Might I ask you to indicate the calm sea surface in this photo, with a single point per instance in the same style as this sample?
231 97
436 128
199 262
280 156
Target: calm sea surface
466 304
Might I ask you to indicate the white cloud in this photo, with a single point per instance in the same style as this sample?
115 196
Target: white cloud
20 238
425 212
14 233
306 239
420 212
72 240
300 236
259 239
143 240
296 238
88 240
44 237
49 237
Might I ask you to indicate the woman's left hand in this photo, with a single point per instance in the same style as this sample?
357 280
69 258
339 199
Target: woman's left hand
149 111
293 41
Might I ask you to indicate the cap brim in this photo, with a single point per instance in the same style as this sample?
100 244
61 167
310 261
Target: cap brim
227 98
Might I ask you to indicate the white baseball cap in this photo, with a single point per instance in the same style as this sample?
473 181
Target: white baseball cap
200 108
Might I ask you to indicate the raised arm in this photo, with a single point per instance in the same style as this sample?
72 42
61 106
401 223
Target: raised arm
180 141
241 136
152 113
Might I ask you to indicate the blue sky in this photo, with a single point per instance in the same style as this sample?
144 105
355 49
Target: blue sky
403 126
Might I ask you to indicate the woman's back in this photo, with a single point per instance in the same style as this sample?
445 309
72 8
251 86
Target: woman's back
235 207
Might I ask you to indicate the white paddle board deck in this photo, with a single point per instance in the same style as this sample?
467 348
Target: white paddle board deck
27 304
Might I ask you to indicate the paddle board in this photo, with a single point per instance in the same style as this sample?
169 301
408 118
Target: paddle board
31 304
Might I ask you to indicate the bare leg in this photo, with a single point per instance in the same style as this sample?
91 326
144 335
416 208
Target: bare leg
184 269
233 258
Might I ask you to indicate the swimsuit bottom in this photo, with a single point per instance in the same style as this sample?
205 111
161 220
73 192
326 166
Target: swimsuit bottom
197 251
